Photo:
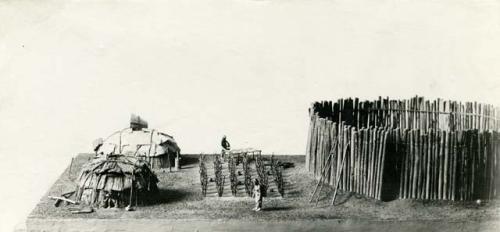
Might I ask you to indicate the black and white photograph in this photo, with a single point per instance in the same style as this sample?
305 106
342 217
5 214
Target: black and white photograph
250 115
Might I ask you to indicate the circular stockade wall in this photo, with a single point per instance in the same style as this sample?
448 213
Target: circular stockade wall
414 148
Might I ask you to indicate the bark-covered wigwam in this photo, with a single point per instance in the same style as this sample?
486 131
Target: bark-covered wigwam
157 148
116 181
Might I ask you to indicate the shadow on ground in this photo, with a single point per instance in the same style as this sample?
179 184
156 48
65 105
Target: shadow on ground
345 198
284 208
166 196
188 160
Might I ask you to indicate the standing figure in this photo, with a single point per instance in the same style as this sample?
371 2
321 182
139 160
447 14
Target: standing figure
110 199
225 146
257 195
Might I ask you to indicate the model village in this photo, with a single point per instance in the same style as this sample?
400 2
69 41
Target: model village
381 152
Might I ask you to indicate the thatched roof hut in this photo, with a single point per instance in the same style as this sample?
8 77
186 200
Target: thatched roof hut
121 180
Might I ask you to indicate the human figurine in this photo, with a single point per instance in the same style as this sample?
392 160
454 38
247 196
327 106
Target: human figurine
257 195
225 146
106 200
114 199
110 200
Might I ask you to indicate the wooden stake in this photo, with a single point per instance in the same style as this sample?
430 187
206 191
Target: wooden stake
446 164
366 144
382 164
309 137
339 174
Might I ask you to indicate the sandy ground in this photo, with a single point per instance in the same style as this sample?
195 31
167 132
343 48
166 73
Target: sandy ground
181 207
238 225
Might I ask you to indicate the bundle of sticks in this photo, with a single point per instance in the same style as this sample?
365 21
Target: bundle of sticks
262 173
232 175
247 175
64 197
277 171
203 175
219 178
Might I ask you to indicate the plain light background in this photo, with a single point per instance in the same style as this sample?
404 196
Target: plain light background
74 71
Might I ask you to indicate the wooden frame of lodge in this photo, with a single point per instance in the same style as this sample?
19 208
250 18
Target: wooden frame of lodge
153 146
414 148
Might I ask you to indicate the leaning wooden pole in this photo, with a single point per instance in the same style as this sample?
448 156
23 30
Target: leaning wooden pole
320 182
339 174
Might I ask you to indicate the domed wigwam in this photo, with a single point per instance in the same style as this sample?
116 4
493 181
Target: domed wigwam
115 181
151 145
120 174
